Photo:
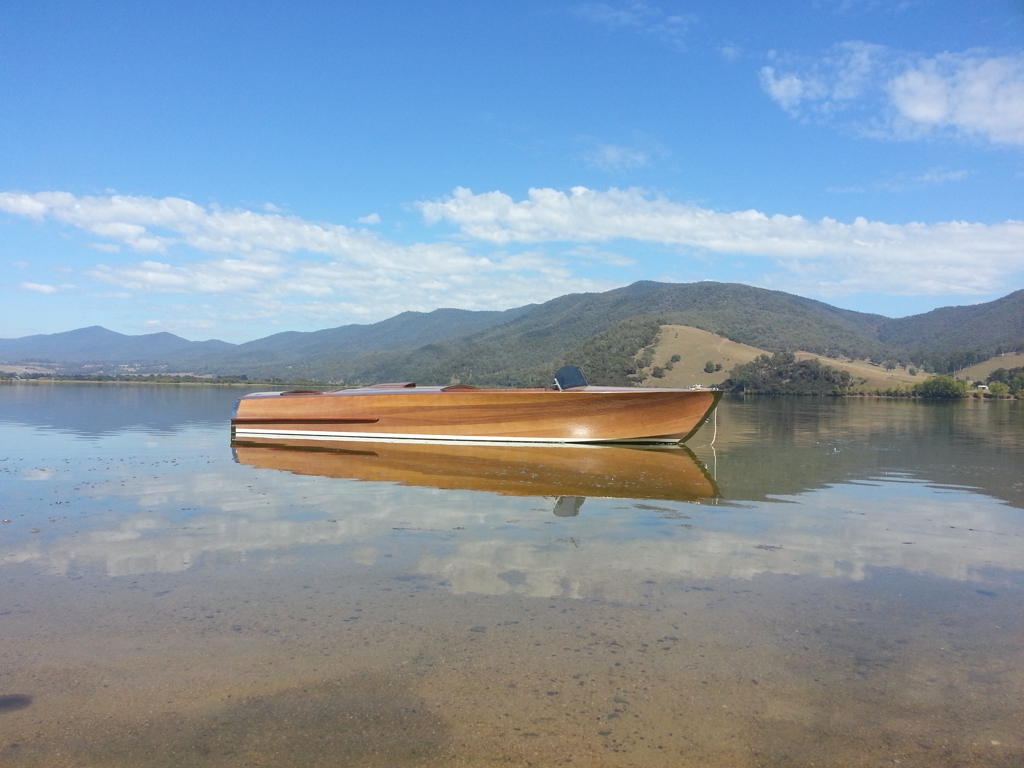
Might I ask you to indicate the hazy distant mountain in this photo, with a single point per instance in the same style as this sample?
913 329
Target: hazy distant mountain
98 345
409 329
522 345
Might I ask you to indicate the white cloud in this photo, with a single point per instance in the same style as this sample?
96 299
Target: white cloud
883 92
284 261
218 276
371 218
241 267
945 257
971 94
39 287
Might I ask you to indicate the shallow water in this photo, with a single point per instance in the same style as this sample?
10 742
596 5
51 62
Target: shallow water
830 582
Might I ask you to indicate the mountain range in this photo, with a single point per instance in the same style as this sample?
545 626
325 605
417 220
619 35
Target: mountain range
607 333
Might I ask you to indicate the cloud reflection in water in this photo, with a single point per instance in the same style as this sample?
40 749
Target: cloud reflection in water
200 505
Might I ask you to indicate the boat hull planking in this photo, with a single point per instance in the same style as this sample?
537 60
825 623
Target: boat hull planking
581 415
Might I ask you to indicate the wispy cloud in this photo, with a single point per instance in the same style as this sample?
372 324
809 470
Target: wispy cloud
614 158
939 176
867 6
41 287
837 82
909 182
883 92
730 52
278 260
862 255
639 17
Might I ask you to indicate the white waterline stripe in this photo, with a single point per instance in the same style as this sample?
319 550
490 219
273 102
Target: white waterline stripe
386 437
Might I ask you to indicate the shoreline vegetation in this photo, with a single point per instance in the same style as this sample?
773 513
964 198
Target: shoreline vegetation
784 374
780 374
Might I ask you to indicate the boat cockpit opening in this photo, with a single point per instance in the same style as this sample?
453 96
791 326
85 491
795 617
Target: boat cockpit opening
568 377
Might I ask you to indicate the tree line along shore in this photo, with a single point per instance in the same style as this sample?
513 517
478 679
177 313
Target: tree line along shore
781 373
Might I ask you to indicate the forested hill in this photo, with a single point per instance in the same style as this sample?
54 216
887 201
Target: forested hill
604 332
999 322
596 329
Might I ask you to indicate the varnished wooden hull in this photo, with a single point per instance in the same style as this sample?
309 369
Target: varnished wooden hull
457 414
517 470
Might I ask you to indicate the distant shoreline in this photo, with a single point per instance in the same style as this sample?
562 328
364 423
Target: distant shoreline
184 381
154 381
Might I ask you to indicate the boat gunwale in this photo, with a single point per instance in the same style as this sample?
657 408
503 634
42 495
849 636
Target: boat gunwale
475 392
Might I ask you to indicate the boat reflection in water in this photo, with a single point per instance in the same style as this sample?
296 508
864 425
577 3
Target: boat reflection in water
568 473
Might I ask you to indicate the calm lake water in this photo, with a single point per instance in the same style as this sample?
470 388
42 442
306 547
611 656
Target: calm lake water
832 582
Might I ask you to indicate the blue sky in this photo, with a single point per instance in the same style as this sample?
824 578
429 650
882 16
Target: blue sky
228 170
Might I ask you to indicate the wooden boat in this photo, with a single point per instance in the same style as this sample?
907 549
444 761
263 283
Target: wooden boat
566 471
571 412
